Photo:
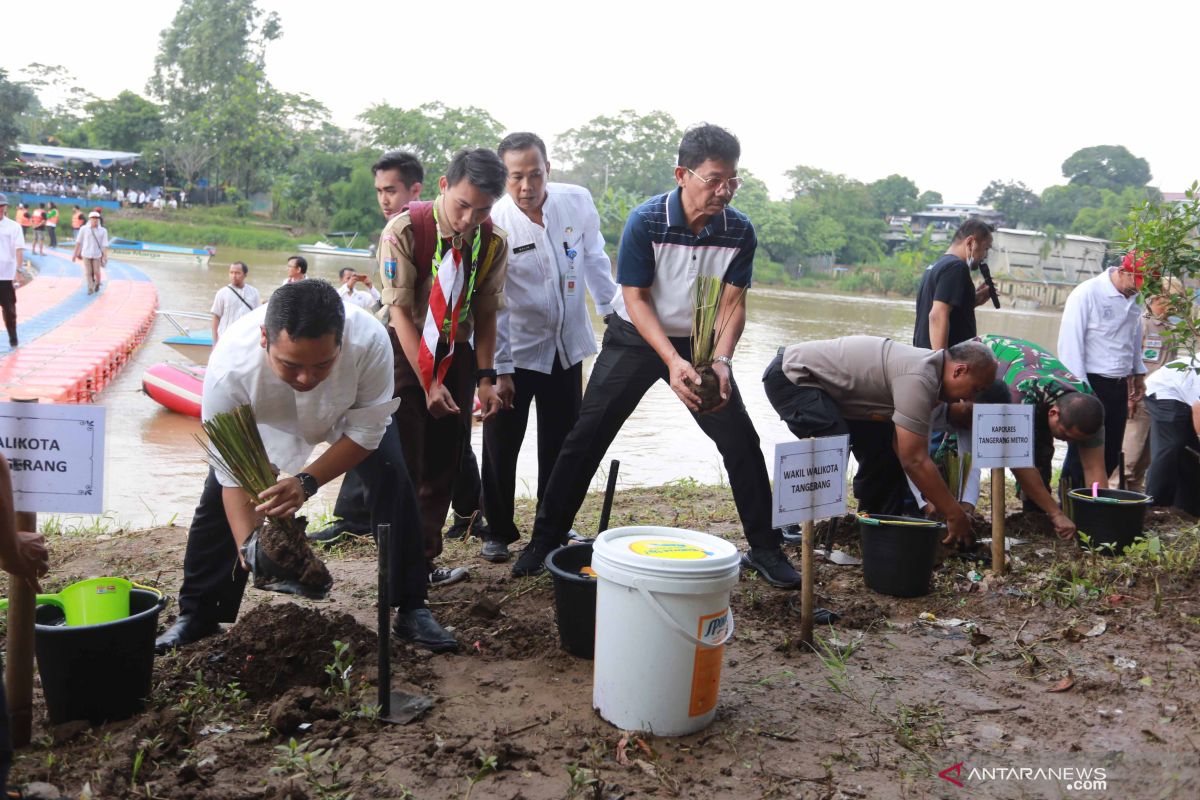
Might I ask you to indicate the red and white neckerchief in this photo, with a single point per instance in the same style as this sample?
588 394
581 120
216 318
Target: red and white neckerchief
446 294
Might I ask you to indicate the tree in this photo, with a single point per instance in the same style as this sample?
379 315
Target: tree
15 100
206 49
893 194
1061 204
630 152
1014 200
432 132
1106 167
777 236
847 202
1107 220
816 232
354 200
929 198
127 122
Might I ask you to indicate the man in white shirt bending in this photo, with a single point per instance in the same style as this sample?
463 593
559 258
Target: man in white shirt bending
1173 400
1100 340
367 297
543 333
314 370
234 301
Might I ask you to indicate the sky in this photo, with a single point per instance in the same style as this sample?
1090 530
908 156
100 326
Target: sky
951 95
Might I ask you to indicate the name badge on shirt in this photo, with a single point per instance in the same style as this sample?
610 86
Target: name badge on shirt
525 248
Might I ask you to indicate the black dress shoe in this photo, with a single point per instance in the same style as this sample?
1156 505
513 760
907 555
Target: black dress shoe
494 551
533 558
186 630
772 566
419 627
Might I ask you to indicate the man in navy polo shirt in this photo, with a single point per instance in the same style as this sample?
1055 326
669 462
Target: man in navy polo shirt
668 241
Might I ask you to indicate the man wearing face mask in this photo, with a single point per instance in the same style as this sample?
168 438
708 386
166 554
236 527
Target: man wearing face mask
947 296
442 271
1100 338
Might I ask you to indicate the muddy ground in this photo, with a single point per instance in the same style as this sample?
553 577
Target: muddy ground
1072 661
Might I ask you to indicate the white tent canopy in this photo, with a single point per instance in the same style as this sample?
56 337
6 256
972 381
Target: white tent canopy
55 156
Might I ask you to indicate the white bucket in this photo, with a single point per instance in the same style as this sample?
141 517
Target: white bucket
662 621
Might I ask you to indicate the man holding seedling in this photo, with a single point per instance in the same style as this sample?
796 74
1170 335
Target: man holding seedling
669 242
312 369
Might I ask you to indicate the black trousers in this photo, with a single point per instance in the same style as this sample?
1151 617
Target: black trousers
879 484
1113 394
624 371
1174 477
53 231
8 304
559 397
213 580
355 517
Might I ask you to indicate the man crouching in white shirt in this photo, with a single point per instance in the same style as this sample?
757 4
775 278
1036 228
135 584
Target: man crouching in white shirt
314 370
543 333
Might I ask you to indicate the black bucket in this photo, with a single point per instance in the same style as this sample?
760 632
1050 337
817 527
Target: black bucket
574 598
899 553
97 672
1111 520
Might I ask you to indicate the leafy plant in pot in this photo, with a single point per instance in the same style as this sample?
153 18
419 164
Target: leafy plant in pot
278 552
708 325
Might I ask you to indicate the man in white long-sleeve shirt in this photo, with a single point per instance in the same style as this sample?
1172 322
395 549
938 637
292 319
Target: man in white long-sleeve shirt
367 298
1100 340
543 333
314 370
12 255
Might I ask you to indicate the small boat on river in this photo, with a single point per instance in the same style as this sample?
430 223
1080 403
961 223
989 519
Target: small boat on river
133 250
194 343
345 250
176 387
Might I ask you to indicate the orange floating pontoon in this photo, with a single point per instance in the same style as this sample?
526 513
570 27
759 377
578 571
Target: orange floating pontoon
73 343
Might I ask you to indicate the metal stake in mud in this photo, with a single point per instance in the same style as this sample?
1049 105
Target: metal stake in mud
397 708
609 490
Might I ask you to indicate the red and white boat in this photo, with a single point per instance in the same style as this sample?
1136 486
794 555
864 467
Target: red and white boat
176 387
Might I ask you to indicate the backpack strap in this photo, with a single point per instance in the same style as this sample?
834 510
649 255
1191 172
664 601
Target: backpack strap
420 213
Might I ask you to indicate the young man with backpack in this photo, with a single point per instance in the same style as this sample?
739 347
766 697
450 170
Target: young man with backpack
442 269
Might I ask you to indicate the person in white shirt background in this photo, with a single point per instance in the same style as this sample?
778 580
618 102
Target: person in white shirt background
297 270
366 297
1173 400
1100 340
543 333
234 301
91 245
12 254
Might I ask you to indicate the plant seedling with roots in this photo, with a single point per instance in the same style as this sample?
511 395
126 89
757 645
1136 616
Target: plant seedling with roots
709 320
278 552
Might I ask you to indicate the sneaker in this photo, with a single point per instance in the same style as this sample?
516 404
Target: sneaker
419 627
494 551
471 525
444 576
772 566
533 558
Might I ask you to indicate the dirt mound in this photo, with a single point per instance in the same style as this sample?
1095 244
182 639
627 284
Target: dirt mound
277 646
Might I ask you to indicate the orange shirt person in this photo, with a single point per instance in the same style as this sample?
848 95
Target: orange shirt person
23 220
77 220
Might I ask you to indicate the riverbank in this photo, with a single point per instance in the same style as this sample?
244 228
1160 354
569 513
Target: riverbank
1070 661
217 226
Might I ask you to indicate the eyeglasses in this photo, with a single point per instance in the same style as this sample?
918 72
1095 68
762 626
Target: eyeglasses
715 184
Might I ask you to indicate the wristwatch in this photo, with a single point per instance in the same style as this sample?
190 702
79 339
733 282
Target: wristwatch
308 484
726 360
480 374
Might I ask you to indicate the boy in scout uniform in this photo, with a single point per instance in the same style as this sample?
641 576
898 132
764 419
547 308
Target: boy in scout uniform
442 269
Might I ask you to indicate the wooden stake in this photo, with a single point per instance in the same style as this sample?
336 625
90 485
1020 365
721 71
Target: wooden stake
998 521
18 670
806 588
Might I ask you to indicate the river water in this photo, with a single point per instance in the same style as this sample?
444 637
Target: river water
155 469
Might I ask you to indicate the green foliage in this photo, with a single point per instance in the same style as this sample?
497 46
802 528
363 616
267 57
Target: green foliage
228 234
1106 167
630 152
1164 235
15 100
893 194
354 199
127 122
1014 200
339 671
433 132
